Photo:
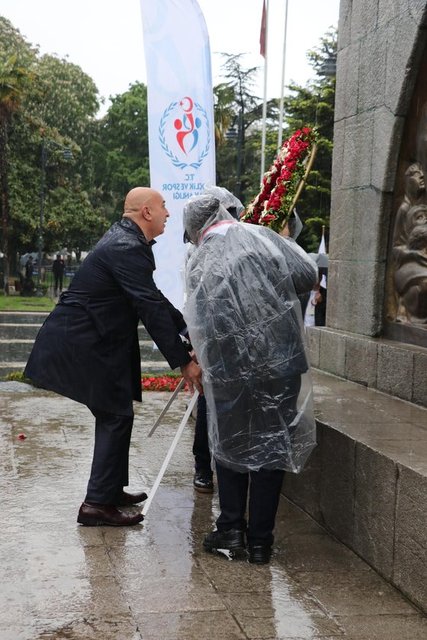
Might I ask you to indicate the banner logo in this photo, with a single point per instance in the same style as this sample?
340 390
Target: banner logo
184 133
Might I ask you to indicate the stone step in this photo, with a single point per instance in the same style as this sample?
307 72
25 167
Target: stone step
19 350
22 317
17 331
28 331
147 366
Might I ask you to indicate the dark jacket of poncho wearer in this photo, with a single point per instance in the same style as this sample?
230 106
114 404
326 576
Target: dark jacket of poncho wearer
88 349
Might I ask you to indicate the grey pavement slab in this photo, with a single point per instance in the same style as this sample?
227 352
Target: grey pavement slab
61 581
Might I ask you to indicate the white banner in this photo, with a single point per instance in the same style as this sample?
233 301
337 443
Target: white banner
180 122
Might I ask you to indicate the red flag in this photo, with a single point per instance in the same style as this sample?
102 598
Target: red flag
262 42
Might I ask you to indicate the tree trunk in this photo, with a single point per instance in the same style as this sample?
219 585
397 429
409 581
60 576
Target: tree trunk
4 201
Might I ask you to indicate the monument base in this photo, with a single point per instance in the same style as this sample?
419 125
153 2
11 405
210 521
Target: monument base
366 482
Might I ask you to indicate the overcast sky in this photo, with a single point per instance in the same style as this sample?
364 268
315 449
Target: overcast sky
104 37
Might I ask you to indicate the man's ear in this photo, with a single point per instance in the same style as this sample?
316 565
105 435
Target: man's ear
145 213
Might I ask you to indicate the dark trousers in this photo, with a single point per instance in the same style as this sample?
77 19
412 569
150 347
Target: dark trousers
264 492
202 456
58 282
110 465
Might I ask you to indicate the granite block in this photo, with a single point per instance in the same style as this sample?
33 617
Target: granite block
304 488
365 282
337 483
418 11
372 79
390 10
332 353
410 556
395 370
374 508
364 18
341 223
419 390
361 360
313 343
347 84
387 138
338 155
371 210
344 24
357 157
404 47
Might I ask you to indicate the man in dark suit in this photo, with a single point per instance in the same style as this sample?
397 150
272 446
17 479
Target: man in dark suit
88 347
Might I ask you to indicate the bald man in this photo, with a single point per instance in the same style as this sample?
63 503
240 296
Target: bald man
88 347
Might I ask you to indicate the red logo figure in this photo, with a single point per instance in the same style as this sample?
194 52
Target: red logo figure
190 125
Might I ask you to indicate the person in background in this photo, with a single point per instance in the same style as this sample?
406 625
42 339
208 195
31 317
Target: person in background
27 286
58 268
320 298
29 268
244 320
88 348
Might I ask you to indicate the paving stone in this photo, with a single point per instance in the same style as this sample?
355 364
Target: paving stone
362 593
59 580
383 627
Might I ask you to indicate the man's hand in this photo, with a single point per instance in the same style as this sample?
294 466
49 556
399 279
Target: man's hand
193 356
192 374
317 298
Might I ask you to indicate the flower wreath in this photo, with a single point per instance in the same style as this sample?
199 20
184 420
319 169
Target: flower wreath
281 183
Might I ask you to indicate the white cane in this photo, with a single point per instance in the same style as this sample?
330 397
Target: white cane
166 408
170 452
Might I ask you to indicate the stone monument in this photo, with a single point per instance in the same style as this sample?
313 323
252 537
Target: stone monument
377 287
366 481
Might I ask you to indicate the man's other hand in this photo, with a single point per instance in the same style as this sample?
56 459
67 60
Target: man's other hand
192 374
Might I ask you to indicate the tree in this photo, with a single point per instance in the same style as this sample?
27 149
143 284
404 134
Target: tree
55 112
238 114
120 148
313 106
15 76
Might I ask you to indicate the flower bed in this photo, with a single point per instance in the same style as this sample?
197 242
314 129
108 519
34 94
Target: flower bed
163 382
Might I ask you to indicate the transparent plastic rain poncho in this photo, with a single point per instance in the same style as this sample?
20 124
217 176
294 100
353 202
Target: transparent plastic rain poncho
226 198
245 324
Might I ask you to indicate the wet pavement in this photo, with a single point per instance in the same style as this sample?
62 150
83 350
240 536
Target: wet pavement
59 580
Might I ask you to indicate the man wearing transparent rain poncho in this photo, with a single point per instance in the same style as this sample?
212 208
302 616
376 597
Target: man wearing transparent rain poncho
245 324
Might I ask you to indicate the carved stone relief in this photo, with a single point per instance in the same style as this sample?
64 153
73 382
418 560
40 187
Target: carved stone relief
409 244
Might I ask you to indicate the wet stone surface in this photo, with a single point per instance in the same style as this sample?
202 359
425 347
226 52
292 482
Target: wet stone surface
61 581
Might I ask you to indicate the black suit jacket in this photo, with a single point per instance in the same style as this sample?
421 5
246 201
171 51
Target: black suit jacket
88 349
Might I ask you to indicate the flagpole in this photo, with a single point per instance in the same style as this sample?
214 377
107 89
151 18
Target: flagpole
264 106
282 94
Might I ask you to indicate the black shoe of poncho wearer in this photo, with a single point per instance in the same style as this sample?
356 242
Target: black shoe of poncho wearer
230 543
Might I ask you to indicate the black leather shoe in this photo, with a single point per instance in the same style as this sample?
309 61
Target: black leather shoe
96 515
128 499
231 541
202 482
259 553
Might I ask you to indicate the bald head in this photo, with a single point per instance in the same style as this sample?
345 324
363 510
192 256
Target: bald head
147 209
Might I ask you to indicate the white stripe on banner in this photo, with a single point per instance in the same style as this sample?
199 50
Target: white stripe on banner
180 122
